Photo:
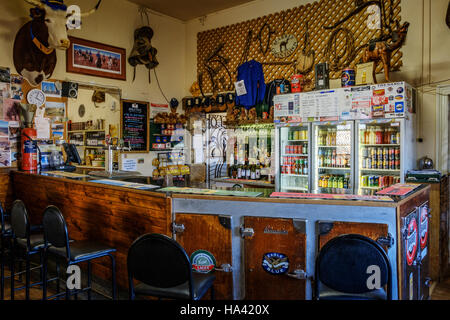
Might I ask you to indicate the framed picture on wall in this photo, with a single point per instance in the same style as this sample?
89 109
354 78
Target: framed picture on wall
96 59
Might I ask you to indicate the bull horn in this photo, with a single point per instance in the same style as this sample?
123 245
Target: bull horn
86 14
36 3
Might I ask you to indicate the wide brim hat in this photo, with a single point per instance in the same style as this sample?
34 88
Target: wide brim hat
55 4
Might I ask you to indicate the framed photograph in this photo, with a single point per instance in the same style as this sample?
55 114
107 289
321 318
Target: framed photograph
96 59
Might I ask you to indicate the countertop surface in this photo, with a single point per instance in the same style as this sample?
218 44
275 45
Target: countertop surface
184 188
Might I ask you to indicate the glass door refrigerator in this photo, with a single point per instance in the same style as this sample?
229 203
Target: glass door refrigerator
333 157
293 160
385 151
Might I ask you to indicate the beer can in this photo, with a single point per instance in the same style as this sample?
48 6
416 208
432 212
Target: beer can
296 83
380 154
397 153
348 77
371 181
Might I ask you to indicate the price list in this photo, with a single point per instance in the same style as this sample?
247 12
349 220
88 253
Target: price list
134 122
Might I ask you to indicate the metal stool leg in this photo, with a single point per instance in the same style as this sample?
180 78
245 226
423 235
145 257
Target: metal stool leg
44 273
2 263
89 279
13 248
113 268
57 279
27 276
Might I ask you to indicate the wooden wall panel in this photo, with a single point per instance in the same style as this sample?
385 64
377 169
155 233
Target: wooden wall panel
111 215
292 21
6 190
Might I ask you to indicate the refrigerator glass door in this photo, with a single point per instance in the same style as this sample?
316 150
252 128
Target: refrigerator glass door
379 144
294 158
333 158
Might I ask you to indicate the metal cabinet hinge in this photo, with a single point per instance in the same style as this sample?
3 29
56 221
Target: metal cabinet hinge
246 232
178 228
387 241
298 274
226 267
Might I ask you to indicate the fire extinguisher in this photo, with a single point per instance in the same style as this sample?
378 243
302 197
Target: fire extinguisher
29 149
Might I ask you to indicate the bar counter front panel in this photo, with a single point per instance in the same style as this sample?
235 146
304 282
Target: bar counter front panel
242 233
115 216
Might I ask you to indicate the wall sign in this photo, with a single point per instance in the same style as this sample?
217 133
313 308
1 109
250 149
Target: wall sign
134 124
275 263
203 261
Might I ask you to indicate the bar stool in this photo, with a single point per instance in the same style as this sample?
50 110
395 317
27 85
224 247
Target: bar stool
72 252
6 235
30 243
341 269
164 270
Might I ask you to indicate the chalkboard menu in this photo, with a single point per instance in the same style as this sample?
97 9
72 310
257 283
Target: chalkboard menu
134 122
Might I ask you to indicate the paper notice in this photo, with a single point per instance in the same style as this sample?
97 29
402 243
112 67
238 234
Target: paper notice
308 105
42 128
129 164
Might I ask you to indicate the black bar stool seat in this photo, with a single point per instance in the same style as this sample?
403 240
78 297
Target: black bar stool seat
82 250
163 269
36 242
200 285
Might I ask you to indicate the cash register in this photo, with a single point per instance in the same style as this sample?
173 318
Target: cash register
72 156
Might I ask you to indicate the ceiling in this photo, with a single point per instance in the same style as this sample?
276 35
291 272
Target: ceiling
186 10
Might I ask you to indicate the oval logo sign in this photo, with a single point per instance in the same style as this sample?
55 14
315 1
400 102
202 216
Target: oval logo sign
423 227
275 263
411 242
203 261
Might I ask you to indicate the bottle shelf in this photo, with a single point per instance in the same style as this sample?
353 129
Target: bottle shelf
294 155
294 188
372 188
334 168
337 146
379 145
294 175
383 170
82 131
298 140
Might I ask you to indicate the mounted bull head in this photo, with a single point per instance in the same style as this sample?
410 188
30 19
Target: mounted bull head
34 47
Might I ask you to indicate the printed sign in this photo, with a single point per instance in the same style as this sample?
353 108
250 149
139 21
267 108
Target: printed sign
203 261
423 227
275 263
411 241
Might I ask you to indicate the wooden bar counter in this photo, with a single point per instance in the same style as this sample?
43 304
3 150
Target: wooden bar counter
238 233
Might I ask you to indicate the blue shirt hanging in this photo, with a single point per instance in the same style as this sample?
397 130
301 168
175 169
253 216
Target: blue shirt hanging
252 74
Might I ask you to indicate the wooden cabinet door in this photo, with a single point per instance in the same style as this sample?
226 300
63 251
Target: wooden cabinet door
328 230
409 252
275 258
211 233
424 251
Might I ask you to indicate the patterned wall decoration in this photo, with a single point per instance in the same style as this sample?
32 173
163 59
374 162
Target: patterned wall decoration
234 44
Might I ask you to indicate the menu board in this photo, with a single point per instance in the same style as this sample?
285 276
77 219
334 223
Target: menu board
134 122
